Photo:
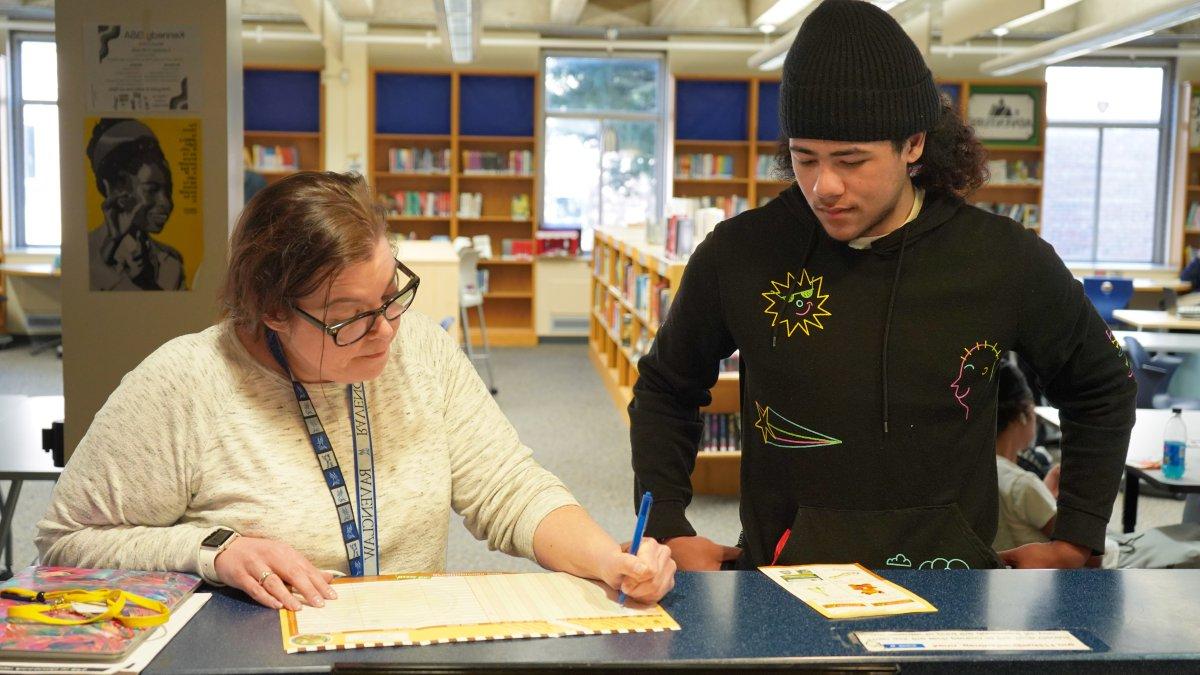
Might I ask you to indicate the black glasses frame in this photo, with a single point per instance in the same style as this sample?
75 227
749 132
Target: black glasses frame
414 282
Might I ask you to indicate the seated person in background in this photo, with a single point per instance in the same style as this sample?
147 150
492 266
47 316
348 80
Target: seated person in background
215 436
1027 505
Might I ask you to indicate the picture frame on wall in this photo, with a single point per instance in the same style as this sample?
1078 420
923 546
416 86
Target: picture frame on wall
1009 115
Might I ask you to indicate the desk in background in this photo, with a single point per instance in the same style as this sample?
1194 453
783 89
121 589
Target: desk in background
22 419
1145 319
43 270
1134 621
1145 444
437 265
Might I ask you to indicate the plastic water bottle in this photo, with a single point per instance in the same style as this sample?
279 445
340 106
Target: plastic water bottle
1174 445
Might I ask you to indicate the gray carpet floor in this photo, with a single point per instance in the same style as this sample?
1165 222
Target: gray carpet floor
557 403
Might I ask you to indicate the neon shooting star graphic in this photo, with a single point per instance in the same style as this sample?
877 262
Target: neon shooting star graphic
978 365
781 432
797 303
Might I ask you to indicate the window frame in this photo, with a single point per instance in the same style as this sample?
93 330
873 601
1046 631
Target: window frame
16 159
1166 168
661 115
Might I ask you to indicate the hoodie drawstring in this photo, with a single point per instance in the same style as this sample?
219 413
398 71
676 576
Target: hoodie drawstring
812 244
887 326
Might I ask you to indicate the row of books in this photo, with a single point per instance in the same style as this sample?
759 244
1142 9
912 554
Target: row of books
1028 215
519 162
415 203
470 205
722 432
704 165
274 157
1192 224
1014 172
730 204
685 231
765 168
419 160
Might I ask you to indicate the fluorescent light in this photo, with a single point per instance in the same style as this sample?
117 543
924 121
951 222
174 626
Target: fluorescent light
1048 7
774 63
1096 37
782 11
459 21
771 57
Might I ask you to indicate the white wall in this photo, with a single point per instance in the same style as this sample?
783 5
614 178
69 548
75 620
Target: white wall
106 334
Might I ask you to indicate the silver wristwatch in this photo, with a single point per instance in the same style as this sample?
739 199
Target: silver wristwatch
213 544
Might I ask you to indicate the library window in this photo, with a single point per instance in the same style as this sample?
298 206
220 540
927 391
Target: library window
603 118
1107 147
37 222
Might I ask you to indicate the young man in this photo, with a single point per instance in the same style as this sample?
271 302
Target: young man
871 306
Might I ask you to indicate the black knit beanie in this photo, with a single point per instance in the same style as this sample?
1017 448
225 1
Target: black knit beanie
853 74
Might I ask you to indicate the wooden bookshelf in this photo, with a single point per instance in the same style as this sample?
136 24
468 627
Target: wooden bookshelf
284 108
465 111
748 131
615 349
1189 237
1010 190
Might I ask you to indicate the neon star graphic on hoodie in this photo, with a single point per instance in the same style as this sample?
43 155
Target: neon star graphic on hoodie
781 432
796 303
978 365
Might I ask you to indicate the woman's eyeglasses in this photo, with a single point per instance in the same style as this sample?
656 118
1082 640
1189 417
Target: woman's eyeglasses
356 327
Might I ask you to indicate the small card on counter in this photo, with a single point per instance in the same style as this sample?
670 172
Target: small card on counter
846 591
971 641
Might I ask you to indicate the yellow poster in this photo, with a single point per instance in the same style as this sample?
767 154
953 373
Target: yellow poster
145 222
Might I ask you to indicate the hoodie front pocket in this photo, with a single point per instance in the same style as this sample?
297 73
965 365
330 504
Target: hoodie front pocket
927 537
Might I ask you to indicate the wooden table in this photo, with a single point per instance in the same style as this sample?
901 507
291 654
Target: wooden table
44 270
437 265
1154 285
1161 342
1146 319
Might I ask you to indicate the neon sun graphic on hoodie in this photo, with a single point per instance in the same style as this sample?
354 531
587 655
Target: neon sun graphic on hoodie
978 365
797 303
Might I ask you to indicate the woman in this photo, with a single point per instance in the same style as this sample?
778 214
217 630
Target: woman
220 453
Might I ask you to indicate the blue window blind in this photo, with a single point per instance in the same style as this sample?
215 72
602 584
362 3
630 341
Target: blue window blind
281 100
710 110
493 105
412 104
768 111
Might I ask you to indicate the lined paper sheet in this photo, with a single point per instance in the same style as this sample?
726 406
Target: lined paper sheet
421 610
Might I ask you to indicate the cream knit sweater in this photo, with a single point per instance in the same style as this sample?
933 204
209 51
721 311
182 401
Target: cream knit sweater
201 435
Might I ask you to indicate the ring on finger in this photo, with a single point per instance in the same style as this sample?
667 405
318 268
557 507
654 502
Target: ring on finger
263 577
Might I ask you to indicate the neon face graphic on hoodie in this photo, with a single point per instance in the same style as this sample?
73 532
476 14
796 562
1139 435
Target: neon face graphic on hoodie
1120 352
796 303
978 365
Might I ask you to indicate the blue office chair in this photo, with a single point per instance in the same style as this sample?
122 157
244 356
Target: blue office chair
1153 377
1108 294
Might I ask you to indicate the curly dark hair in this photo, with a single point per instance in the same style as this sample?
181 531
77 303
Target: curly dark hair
954 161
1014 396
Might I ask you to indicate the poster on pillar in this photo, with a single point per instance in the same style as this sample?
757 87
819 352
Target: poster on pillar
145 221
137 67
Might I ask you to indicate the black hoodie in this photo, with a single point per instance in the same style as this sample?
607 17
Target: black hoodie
867 389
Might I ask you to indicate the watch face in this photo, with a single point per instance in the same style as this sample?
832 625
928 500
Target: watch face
217 538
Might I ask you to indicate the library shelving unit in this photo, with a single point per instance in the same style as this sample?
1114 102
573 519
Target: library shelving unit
1190 228
282 109
472 119
1016 191
630 280
725 117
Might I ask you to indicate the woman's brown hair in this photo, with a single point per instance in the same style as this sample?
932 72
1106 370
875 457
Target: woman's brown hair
292 238
954 161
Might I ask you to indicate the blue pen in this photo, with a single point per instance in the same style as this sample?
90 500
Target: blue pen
638 530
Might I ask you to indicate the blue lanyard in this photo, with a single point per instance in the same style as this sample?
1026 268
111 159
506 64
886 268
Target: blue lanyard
362 550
